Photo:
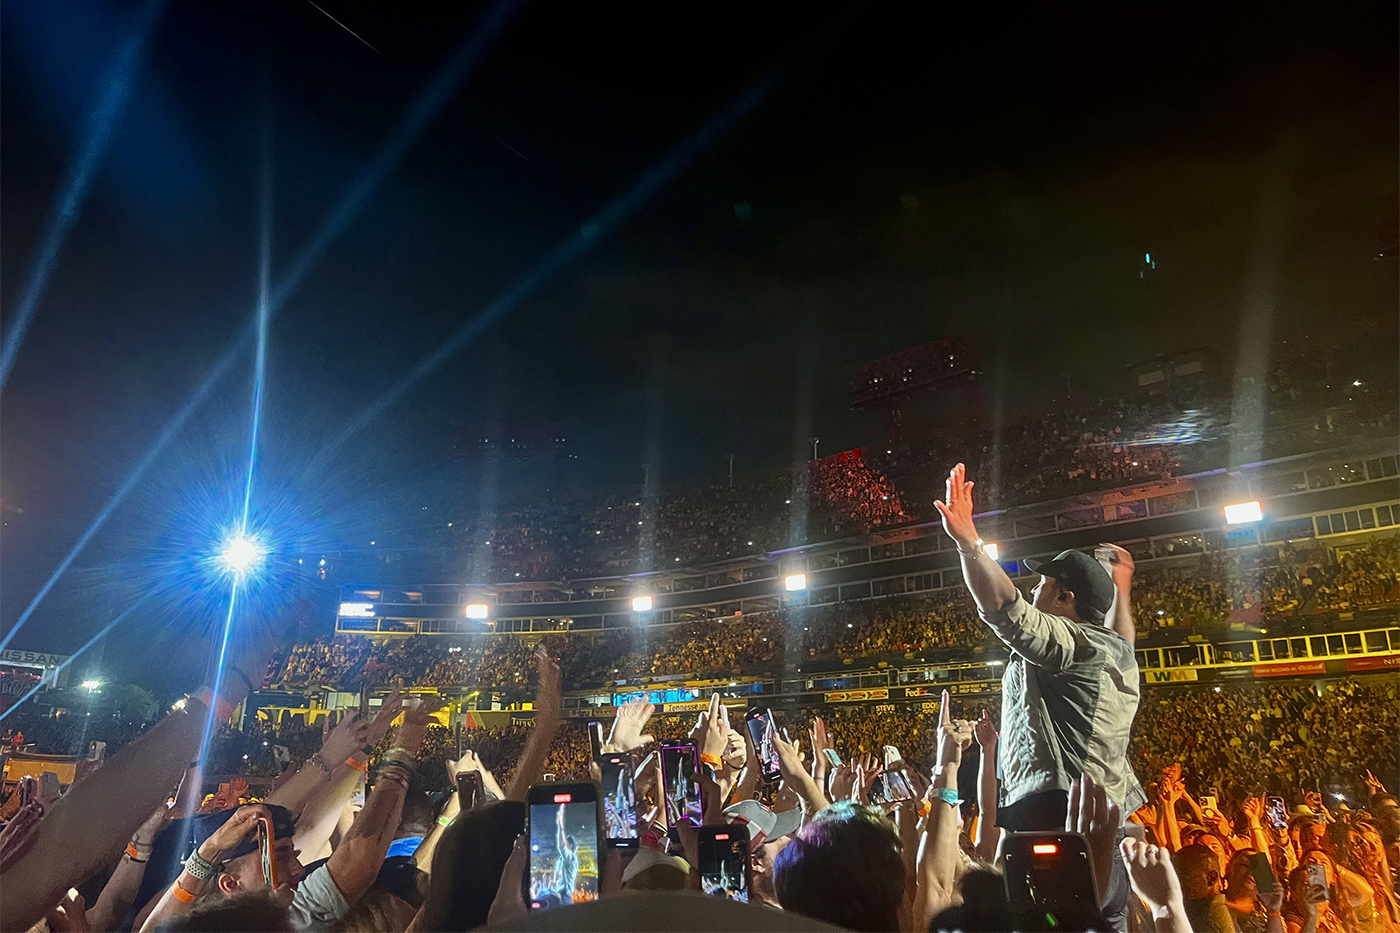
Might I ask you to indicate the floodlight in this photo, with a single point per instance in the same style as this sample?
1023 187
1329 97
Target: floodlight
641 604
794 582
91 685
477 610
991 550
1243 512
241 554
357 610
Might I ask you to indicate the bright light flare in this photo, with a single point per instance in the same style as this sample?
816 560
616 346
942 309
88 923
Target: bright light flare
357 610
991 550
241 554
794 582
641 604
91 685
1243 512
477 610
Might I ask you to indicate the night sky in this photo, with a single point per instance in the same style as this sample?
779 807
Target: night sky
994 174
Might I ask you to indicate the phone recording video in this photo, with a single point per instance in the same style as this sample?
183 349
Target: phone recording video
564 845
724 862
267 849
894 787
595 740
619 800
680 763
1049 871
759 719
1277 812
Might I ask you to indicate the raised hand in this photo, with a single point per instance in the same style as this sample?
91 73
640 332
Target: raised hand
1095 817
627 727
1373 785
69 915
345 739
388 712
234 830
1117 561
711 732
415 724
1253 809
843 779
954 735
550 693
956 509
789 755
868 768
985 731
820 743
20 834
1151 874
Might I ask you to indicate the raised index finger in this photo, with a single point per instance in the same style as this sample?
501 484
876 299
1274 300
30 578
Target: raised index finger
945 712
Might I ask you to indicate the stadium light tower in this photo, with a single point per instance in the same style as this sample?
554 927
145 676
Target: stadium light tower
1242 513
794 582
641 604
477 611
241 554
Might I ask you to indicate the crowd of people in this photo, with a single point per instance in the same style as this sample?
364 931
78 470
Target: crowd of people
1062 448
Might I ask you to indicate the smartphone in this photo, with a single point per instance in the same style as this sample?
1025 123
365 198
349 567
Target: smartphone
1317 878
267 848
680 767
759 719
563 826
724 861
548 777
832 759
892 755
595 740
471 792
1277 811
1048 870
619 800
1264 880
1210 803
894 787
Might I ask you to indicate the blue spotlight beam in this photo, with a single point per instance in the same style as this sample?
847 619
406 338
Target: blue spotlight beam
260 353
171 429
68 202
79 653
429 102
601 223
217 684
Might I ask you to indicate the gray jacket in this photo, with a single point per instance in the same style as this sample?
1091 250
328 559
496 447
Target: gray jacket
1069 696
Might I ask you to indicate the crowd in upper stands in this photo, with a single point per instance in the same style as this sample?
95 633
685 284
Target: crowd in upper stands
1203 591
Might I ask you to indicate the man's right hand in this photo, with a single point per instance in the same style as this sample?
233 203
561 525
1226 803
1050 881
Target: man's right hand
235 829
957 509
631 719
1151 874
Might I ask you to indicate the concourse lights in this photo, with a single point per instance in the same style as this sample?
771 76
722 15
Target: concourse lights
641 604
357 610
241 554
794 582
1243 512
477 610
91 685
991 550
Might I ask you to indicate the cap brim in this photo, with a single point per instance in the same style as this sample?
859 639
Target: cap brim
786 823
1038 566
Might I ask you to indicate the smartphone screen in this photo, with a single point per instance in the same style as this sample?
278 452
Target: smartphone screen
759 719
679 765
619 800
595 740
1048 870
1278 812
564 845
897 787
1317 878
832 759
470 790
724 862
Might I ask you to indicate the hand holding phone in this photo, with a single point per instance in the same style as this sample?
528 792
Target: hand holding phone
267 848
619 800
565 848
1048 871
471 790
759 721
724 861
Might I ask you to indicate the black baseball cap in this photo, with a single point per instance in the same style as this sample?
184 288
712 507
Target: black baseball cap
1080 574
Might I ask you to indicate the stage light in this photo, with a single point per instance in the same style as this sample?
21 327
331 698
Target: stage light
91 685
357 610
477 610
794 582
991 550
641 604
241 554
1243 512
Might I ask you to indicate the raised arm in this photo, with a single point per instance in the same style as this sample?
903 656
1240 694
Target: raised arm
988 833
991 588
1119 564
547 717
796 776
938 849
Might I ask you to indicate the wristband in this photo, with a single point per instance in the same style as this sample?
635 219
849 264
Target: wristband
925 807
357 765
444 821
947 795
134 853
714 761
199 867
221 707
178 892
